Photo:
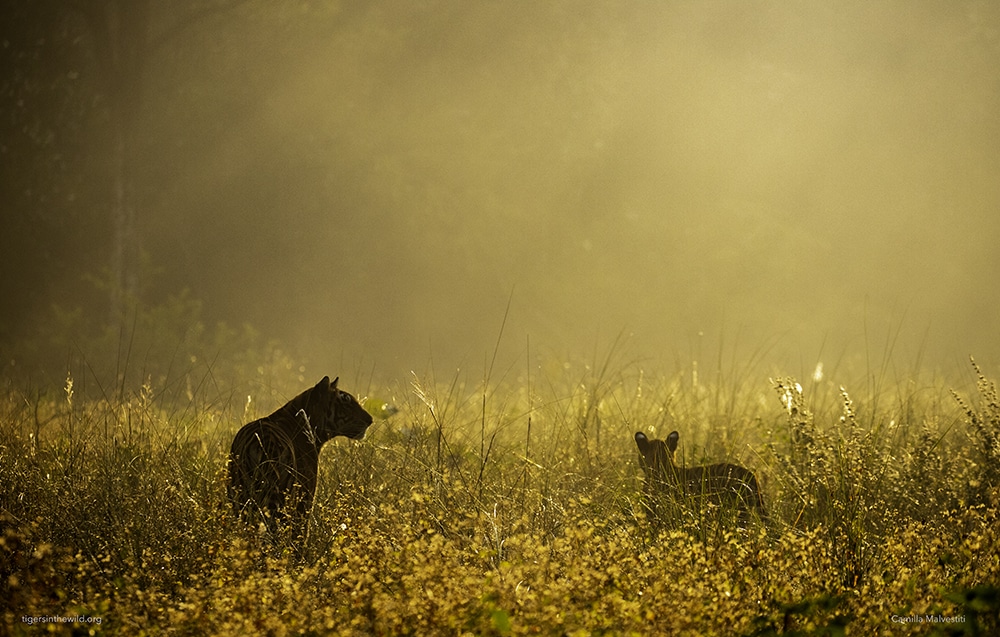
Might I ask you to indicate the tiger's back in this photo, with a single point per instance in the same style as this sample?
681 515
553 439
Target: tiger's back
264 471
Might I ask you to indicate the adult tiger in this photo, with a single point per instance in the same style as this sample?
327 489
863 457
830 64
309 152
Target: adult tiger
274 461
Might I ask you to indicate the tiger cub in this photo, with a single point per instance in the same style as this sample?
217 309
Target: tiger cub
721 483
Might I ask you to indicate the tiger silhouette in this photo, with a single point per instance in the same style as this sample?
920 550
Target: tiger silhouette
274 461
721 483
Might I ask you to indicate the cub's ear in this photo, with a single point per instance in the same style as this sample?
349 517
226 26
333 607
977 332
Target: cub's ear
333 385
324 384
672 441
642 442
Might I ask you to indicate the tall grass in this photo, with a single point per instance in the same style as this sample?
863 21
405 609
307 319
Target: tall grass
509 503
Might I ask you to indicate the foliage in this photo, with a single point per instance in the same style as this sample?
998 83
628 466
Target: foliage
167 351
492 510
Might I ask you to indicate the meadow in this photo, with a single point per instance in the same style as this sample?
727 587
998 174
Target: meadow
508 502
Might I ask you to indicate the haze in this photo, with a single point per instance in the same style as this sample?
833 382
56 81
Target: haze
373 186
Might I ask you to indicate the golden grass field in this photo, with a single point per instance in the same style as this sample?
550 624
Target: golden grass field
511 507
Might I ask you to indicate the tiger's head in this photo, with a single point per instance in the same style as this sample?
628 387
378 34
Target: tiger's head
656 457
333 412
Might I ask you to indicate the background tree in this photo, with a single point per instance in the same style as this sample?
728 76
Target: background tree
372 178
123 42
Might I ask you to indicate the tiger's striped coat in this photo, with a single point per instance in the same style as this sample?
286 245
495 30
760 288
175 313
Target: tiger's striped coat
274 461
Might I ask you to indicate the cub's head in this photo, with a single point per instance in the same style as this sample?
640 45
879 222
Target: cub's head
655 456
334 412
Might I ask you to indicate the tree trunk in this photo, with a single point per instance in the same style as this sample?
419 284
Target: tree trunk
120 29
125 251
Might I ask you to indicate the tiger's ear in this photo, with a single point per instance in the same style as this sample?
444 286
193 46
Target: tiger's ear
324 384
672 441
642 442
333 385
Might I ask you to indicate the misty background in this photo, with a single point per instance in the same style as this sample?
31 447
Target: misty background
371 183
